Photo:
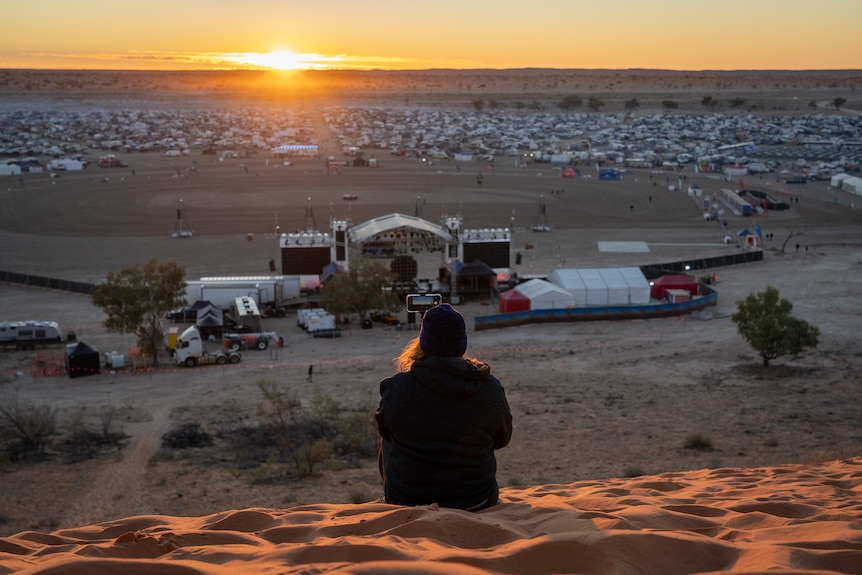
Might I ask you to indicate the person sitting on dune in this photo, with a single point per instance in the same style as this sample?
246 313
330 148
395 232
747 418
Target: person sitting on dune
440 419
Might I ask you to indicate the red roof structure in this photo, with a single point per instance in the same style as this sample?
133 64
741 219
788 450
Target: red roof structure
660 285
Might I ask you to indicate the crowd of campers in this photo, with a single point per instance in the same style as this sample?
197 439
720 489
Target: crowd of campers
710 142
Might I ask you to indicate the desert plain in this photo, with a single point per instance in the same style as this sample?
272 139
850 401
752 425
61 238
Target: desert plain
591 400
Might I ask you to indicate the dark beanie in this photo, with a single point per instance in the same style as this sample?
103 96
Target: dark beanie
444 333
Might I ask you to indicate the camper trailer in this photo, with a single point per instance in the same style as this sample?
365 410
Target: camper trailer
28 334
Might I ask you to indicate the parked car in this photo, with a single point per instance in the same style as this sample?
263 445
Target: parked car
385 317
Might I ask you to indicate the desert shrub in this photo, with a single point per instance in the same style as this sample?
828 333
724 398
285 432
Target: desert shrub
281 407
84 442
323 406
25 427
300 439
357 434
185 436
699 442
251 445
309 454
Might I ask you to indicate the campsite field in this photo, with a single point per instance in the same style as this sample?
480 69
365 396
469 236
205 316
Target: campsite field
591 400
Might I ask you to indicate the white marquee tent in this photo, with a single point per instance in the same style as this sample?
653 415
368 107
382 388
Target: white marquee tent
545 295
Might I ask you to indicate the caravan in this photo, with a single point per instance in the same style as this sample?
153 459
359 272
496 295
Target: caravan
28 334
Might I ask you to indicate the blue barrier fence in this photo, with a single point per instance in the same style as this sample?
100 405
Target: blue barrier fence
709 298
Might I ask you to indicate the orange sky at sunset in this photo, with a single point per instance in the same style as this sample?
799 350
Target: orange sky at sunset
219 34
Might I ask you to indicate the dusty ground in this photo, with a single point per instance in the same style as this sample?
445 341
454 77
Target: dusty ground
590 400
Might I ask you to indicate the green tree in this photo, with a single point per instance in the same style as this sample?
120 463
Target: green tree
359 290
478 104
570 102
632 104
763 320
838 102
709 102
136 299
670 104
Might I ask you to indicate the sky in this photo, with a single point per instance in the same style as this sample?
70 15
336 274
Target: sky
405 34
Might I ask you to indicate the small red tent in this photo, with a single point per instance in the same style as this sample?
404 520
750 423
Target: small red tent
678 281
512 300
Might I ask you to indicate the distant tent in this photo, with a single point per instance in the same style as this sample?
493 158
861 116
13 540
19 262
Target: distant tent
202 303
82 360
476 278
674 281
476 268
512 300
545 295
571 281
210 316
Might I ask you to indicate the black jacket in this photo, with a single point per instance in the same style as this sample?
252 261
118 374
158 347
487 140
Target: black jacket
440 424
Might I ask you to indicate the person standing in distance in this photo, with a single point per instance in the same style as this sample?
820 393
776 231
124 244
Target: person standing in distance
440 419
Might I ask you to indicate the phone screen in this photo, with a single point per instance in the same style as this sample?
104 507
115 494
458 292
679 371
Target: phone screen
423 302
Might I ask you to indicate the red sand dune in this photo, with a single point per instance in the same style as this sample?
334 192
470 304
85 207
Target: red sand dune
788 519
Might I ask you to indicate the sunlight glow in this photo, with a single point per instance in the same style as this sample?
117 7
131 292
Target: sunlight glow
278 60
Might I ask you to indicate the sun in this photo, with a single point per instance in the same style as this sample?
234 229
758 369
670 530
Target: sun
275 60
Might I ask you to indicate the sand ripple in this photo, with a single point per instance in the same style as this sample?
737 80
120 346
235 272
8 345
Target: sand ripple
791 519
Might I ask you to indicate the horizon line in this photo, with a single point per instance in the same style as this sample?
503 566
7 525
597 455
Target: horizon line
434 69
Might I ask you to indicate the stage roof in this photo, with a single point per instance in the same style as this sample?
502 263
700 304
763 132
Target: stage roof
366 230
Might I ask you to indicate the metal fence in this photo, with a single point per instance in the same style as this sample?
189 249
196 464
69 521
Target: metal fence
47 283
683 266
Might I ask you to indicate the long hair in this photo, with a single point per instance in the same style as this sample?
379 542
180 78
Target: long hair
412 353
409 354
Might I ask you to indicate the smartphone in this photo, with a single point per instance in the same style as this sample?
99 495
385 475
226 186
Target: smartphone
422 302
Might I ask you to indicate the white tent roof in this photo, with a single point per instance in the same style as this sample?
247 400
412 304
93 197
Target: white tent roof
545 295
639 290
618 289
570 280
597 289
567 278
365 230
